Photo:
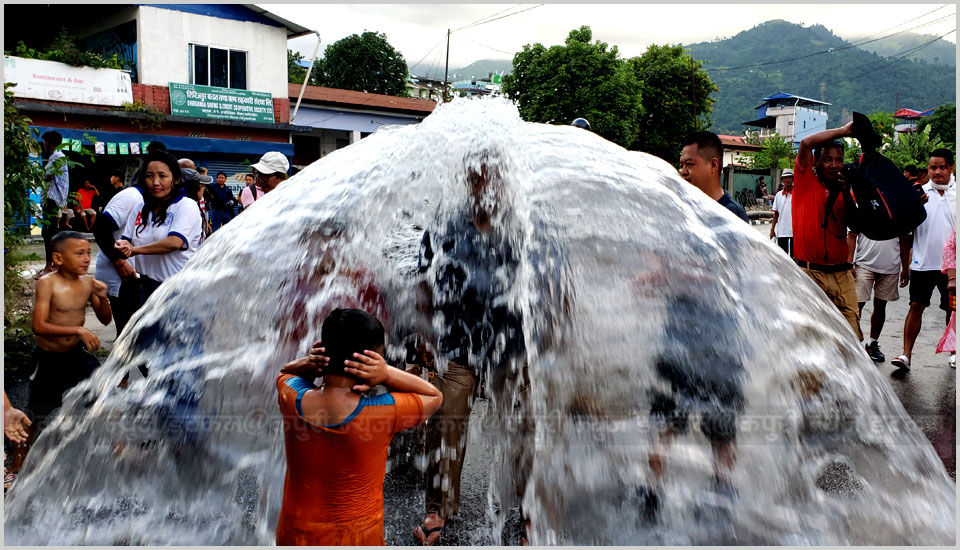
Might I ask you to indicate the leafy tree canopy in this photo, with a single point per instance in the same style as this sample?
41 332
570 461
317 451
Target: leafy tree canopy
296 73
943 124
776 153
676 101
911 148
883 123
578 79
365 63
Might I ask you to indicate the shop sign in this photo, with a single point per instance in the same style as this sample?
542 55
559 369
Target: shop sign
192 100
54 81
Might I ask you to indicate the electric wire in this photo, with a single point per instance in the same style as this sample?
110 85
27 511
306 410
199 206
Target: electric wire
478 21
831 50
498 18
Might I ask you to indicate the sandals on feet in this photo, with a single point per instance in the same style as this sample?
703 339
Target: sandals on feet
901 362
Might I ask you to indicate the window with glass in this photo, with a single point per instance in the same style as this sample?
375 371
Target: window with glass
211 66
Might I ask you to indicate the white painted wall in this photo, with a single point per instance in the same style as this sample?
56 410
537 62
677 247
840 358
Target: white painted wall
164 35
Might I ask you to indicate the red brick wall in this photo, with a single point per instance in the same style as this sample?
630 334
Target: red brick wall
281 110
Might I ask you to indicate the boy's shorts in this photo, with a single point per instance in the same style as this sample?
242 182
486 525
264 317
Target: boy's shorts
57 372
886 284
922 284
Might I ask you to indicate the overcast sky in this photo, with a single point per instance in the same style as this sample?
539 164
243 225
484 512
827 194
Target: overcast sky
415 29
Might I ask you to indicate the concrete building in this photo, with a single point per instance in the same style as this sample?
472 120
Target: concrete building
209 81
329 119
791 116
736 151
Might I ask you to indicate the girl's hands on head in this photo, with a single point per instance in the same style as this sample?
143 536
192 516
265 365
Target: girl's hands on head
311 365
370 367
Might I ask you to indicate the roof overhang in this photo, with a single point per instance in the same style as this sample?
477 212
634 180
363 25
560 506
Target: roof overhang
765 122
293 30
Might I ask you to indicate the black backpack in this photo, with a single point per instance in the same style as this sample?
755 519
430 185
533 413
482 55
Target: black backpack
881 203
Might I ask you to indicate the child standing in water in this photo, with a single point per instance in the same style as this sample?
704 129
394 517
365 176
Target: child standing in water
63 348
337 439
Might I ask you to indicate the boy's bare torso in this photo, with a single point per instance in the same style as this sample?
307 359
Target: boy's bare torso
68 304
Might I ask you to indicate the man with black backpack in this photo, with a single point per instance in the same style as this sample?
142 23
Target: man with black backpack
819 233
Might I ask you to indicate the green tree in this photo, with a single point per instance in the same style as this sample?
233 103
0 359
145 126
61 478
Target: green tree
675 92
296 73
365 63
883 123
911 148
578 79
775 153
943 124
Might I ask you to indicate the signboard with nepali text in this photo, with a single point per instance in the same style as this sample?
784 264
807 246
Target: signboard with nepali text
197 101
54 81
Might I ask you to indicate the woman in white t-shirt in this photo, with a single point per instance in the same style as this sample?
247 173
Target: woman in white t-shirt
166 233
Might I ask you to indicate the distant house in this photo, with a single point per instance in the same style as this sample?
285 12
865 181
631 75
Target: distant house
479 86
791 116
337 118
907 120
736 150
425 88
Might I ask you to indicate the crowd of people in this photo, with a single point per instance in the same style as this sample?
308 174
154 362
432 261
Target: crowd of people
336 435
145 233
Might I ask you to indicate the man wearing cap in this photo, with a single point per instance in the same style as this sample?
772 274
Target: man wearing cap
269 172
782 225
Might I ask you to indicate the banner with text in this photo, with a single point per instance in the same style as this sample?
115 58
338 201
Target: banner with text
53 81
226 103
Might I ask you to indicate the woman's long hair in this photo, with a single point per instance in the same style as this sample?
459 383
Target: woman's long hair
151 203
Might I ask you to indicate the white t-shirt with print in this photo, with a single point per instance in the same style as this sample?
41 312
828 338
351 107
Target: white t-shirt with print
123 205
783 205
183 220
932 234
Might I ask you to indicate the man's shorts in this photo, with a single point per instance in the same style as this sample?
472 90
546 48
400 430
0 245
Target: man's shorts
57 372
886 284
922 284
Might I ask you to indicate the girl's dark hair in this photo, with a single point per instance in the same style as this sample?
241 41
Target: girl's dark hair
150 203
349 331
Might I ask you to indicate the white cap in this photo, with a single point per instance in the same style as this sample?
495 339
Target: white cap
272 162
788 173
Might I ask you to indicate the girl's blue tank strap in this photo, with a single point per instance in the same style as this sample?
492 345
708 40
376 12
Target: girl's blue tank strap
301 386
382 399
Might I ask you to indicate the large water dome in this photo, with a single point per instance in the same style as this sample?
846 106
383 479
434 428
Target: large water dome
687 383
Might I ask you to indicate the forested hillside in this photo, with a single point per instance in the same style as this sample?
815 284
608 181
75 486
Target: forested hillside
746 69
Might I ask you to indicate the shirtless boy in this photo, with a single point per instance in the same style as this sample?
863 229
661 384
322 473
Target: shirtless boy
63 348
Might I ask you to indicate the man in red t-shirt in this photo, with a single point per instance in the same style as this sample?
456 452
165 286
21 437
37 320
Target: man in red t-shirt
85 211
821 251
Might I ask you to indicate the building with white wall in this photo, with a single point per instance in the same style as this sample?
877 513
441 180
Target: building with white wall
791 116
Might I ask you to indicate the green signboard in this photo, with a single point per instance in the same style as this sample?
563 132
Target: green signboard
124 148
226 103
111 148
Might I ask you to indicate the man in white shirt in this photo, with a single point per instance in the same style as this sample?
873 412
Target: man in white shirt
927 253
782 225
876 268
58 177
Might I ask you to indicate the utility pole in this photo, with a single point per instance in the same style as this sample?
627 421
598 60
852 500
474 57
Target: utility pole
897 106
693 90
446 68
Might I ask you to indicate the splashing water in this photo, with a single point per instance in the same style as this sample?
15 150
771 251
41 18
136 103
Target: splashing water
683 382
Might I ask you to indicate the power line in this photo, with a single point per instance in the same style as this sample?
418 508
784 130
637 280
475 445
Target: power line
485 46
902 55
489 16
499 18
831 50
425 55
905 22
